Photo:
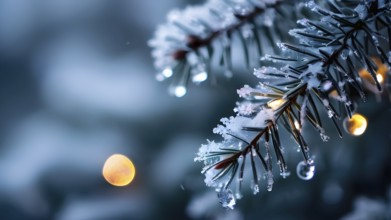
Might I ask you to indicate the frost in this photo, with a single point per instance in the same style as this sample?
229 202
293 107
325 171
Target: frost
263 71
246 108
245 91
200 21
303 22
362 10
235 124
262 117
232 125
205 149
311 75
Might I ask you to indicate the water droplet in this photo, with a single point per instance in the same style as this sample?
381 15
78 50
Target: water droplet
270 181
330 113
226 198
344 54
228 73
200 77
324 137
180 91
305 170
285 174
167 72
255 188
356 125
238 195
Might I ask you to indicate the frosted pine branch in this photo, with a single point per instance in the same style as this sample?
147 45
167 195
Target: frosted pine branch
184 46
325 69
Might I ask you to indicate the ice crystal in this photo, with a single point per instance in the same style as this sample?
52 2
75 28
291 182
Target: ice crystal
226 198
246 108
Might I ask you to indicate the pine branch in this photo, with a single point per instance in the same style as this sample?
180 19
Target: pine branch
184 47
327 64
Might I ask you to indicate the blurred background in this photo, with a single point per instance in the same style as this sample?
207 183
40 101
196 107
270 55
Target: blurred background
77 85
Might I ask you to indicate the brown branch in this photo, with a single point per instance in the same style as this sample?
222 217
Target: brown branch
194 42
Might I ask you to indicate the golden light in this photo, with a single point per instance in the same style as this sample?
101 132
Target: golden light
381 72
118 170
297 125
275 103
356 125
379 78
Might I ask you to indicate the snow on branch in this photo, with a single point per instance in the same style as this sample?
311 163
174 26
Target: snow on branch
184 47
332 63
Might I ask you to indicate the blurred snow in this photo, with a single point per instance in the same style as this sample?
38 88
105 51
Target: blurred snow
42 142
365 208
175 162
113 206
201 204
76 78
42 147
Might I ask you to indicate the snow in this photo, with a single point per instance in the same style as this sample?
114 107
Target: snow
200 21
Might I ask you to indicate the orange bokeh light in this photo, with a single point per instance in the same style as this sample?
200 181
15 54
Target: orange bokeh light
119 170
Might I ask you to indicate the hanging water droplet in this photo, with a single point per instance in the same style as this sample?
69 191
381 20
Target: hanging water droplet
200 77
226 198
356 125
330 113
238 195
270 181
344 54
167 72
285 174
305 170
255 188
180 91
324 137
228 73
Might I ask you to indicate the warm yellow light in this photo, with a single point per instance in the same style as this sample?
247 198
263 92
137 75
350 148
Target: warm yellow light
275 103
297 125
381 73
379 78
118 170
356 125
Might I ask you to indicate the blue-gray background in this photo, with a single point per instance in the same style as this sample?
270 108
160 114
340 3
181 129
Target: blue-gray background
77 85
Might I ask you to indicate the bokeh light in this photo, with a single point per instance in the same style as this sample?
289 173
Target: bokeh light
356 125
119 170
